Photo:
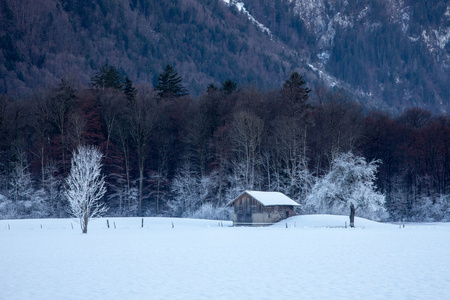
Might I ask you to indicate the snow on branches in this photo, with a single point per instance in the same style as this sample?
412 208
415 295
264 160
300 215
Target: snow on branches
350 181
85 185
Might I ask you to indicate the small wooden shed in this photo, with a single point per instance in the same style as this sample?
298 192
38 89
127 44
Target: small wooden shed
261 208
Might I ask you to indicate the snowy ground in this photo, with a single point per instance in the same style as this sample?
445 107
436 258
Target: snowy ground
315 257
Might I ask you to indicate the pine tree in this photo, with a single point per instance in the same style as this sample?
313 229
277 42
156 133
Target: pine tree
228 87
169 84
107 77
295 92
128 89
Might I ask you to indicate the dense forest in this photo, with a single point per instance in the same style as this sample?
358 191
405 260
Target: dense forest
387 54
169 153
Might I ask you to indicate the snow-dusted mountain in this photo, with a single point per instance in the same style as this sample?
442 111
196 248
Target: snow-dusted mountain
421 25
389 54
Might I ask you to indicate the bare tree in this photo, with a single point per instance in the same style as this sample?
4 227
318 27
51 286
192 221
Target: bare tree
86 185
246 135
112 102
142 120
60 102
77 125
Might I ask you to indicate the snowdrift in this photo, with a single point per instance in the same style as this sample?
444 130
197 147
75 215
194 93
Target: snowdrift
328 221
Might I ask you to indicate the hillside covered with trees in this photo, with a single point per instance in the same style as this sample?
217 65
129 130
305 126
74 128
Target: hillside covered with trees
388 54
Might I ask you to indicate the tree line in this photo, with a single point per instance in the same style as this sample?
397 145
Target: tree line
167 153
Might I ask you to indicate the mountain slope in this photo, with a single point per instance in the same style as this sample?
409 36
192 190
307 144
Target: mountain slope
389 53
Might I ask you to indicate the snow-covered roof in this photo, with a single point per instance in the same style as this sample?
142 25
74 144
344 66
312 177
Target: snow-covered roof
269 198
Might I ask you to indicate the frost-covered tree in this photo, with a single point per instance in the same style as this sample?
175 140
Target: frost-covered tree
24 200
350 182
86 185
21 186
191 192
296 181
52 190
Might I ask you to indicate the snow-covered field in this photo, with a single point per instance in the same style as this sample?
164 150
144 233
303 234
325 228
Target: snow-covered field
304 257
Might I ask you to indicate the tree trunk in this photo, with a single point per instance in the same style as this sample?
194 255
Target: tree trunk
85 223
352 215
141 186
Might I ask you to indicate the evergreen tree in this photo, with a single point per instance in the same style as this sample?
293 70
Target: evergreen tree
228 87
295 91
169 84
128 89
108 77
211 89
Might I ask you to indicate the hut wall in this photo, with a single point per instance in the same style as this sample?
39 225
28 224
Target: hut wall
247 210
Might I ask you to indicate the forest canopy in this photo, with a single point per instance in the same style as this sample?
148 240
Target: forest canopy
188 156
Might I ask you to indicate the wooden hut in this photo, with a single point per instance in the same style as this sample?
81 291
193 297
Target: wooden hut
261 208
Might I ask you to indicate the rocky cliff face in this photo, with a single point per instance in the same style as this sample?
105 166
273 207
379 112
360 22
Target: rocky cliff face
421 26
327 17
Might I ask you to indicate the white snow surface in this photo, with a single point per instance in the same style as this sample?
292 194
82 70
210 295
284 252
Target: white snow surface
303 257
270 198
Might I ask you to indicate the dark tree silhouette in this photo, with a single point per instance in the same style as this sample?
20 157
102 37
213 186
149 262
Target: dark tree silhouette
128 89
295 92
228 87
169 84
107 77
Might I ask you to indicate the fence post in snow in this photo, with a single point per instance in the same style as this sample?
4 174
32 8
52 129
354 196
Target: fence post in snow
142 224
9 228
71 225
114 225
173 226
107 223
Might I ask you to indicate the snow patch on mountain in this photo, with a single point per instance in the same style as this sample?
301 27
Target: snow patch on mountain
313 14
399 13
241 7
330 80
442 37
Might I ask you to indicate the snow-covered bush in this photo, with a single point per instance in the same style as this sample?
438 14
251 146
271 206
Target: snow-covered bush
7 208
350 181
20 184
195 196
189 192
431 210
21 200
211 212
